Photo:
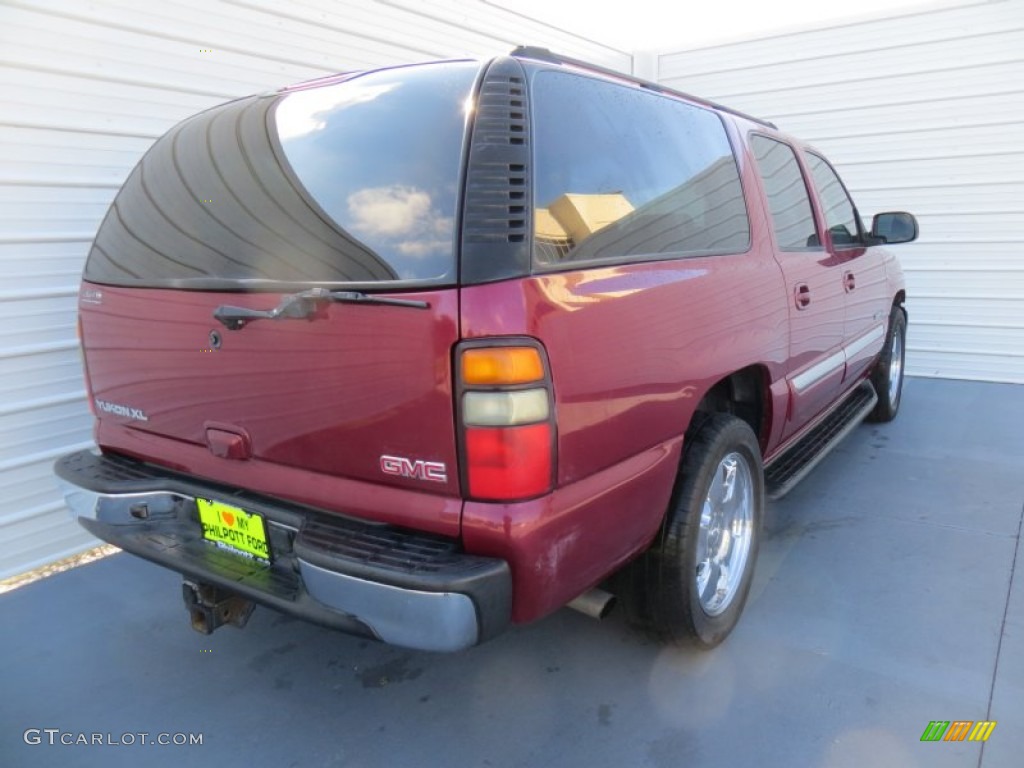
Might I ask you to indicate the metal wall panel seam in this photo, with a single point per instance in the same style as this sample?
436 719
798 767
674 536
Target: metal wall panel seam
192 41
49 455
38 349
23 515
42 402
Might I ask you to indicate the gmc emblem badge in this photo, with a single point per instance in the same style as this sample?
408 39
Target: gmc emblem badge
435 471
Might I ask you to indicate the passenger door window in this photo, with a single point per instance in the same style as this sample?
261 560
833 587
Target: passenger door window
788 200
840 214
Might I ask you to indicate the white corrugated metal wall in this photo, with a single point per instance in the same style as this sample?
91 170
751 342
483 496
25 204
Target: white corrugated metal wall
85 88
924 112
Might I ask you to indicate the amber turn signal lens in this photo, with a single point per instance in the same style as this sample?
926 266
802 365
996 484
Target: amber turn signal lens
501 365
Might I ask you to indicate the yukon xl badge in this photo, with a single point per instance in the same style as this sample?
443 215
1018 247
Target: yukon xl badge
121 410
400 466
90 296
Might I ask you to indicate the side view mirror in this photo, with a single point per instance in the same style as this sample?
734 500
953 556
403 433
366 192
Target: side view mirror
894 227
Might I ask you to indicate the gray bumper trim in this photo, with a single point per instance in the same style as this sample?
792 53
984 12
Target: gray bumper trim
116 508
435 620
430 621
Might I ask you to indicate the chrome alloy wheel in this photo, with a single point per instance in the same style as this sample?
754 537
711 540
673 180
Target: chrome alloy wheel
726 533
895 368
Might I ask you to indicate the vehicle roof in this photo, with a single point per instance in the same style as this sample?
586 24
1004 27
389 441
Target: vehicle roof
340 77
531 53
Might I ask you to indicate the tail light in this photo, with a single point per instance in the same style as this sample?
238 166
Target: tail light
507 417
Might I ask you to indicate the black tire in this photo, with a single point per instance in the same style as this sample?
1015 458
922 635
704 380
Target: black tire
660 589
887 375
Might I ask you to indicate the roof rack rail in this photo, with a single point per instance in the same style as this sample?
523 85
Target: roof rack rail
543 54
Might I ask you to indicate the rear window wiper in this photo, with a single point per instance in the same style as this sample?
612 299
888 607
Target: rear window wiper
304 305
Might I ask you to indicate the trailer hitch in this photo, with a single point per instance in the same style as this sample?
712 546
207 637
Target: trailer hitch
210 607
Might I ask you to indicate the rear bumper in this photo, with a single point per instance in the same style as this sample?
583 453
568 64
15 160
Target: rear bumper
404 588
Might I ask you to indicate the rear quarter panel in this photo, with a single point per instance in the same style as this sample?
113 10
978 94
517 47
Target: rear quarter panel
634 348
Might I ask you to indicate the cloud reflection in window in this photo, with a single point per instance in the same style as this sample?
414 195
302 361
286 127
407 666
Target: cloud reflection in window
306 112
404 217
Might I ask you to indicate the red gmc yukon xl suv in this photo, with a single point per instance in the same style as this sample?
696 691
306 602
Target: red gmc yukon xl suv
421 351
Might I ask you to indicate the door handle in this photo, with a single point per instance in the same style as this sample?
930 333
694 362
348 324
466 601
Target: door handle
849 282
802 296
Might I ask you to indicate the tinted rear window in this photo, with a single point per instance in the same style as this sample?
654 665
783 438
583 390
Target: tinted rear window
624 173
353 182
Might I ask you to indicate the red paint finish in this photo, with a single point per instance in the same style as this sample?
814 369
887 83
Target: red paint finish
563 543
867 304
411 508
633 349
326 397
816 329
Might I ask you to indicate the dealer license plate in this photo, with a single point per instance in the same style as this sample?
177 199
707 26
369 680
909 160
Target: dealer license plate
234 529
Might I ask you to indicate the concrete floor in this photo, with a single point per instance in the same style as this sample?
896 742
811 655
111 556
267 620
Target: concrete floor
885 597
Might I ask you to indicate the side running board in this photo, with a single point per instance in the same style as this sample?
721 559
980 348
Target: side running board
790 467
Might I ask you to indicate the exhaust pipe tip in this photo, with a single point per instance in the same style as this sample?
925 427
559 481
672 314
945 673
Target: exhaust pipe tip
595 603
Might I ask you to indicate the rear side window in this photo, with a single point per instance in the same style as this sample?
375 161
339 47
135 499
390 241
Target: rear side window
351 182
625 173
788 201
840 214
